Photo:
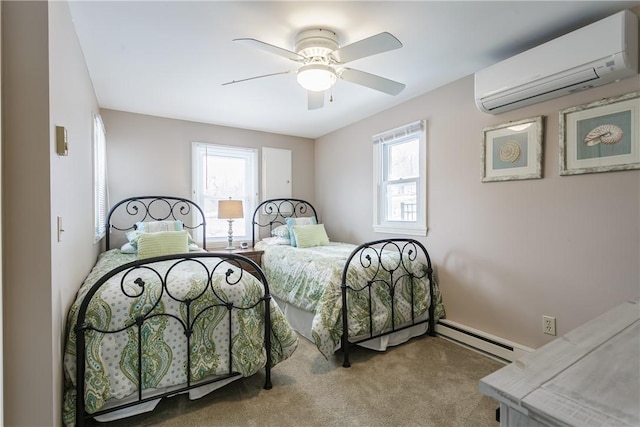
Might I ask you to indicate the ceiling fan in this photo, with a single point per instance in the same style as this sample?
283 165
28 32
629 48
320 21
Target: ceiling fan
323 61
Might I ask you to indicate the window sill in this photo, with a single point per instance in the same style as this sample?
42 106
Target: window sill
410 231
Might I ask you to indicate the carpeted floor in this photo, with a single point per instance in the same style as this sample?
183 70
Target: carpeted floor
428 381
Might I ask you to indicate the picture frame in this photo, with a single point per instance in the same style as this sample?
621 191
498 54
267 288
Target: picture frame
601 136
513 151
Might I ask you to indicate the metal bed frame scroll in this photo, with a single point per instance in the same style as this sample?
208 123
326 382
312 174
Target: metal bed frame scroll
145 208
155 208
388 276
274 212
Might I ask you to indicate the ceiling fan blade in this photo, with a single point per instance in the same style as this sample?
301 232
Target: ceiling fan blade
372 81
373 45
316 99
271 48
256 77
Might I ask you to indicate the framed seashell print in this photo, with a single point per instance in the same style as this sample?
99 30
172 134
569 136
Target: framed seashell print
513 150
601 136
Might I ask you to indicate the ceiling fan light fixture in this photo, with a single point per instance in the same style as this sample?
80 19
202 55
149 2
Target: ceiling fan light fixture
316 77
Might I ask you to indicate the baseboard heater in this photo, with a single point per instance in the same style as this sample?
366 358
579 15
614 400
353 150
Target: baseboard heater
481 341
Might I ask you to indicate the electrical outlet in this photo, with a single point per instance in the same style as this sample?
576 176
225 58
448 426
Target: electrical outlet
549 325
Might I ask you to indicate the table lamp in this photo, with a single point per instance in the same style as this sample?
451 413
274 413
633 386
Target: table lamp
230 210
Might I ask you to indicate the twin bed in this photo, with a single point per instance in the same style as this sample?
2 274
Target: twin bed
158 316
376 295
148 323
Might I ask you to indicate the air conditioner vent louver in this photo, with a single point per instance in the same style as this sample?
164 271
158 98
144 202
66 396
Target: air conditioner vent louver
543 90
600 53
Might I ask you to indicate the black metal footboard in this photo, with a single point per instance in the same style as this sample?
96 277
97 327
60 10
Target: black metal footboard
391 266
149 285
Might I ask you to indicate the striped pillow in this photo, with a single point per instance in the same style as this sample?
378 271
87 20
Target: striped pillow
298 221
308 236
162 243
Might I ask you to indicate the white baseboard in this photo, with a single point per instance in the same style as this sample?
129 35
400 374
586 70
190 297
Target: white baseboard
491 345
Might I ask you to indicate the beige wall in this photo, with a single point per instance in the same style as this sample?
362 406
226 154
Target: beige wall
1 273
27 290
506 252
72 104
152 155
45 83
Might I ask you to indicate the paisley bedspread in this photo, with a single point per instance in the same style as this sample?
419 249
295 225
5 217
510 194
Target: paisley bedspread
309 278
112 358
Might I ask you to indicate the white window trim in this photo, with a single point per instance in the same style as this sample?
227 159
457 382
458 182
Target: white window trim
100 190
413 228
249 201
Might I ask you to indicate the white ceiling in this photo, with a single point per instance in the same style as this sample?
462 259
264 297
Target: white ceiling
170 58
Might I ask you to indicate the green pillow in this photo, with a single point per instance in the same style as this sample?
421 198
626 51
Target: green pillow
308 236
291 221
162 243
154 227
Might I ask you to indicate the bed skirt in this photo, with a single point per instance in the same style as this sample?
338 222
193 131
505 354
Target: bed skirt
194 394
301 321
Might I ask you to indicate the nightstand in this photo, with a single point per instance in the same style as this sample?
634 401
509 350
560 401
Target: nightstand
251 253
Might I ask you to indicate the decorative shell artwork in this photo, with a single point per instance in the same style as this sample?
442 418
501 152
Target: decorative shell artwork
509 152
606 134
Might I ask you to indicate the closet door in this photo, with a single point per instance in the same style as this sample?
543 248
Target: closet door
276 173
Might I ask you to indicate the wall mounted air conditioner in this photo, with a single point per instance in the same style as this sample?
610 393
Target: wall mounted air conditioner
600 53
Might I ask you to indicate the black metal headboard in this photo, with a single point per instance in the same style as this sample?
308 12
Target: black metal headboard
155 208
274 212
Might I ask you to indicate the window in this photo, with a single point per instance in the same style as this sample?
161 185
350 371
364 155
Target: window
99 177
399 166
223 172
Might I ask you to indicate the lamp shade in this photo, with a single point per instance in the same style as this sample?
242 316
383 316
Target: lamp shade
230 209
316 77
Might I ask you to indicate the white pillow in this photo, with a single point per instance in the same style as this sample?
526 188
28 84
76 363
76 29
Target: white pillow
275 240
156 226
128 248
281 231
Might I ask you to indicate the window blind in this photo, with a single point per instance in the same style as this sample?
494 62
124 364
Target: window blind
99 176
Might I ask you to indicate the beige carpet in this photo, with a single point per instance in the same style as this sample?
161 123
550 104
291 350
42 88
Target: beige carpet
428 381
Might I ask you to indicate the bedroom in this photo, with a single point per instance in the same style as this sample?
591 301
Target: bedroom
577 253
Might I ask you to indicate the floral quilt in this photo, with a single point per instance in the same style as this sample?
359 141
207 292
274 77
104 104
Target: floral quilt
310 278
111 359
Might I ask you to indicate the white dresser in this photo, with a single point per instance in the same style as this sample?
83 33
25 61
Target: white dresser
588 377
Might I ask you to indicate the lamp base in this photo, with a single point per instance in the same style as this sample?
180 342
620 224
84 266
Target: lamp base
230 236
